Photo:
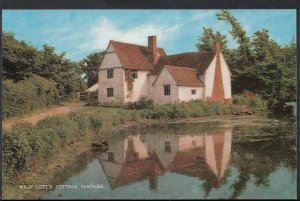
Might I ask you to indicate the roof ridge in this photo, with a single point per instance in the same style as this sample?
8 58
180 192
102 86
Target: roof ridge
189 53
132 44
181 67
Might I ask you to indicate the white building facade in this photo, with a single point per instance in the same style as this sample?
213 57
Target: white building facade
129 72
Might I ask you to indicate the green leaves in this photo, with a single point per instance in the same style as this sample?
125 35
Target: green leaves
207 39
258 64
21 61
26 95
90 66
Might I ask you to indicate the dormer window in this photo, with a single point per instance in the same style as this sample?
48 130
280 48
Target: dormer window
133 73
110 73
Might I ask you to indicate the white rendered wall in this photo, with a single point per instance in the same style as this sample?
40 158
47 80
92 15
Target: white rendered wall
226 77
185 93
140 87
111 60
209 78
117 83
151 91
158 96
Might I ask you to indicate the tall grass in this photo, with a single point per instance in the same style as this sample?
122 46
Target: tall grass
255 102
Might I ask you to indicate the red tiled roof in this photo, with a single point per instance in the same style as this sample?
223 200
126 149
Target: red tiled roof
186 158
139 170
134 56
184 76
197 60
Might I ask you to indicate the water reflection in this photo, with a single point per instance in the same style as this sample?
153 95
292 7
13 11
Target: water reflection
139 157
189 161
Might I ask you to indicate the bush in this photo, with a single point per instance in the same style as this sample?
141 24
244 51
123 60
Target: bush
142 103
23 143
27 95
254 102
96 123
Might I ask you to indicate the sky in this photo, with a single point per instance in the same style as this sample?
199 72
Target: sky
81 32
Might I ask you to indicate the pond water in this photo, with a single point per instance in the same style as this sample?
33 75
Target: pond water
186 161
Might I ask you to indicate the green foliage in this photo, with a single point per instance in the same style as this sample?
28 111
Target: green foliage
17 152
207 39
96 123
27 95
200 108
90 66
258 64
91 98
24 143
142 103
18 57
21 61
255 102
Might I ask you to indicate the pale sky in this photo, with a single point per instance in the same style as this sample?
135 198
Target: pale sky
80 32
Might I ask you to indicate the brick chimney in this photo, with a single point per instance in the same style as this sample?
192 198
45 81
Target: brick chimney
217 47
154 55
218 87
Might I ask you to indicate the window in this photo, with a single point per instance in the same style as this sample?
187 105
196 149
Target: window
193 91
111 156
110 73
133 74
110 92
167 91
167 146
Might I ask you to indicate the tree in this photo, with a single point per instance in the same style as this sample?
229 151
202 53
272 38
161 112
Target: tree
21 61
90 66
207 39
19 58
238 34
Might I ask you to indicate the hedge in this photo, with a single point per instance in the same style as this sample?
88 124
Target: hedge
27 95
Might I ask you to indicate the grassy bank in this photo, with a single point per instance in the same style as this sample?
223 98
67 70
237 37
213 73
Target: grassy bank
24 144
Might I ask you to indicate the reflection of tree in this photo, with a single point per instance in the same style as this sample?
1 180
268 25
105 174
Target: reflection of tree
263 156
74 168
211 182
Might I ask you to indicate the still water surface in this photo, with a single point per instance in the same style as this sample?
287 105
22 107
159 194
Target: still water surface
187 161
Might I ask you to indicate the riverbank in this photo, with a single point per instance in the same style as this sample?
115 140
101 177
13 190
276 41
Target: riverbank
45 171
26 144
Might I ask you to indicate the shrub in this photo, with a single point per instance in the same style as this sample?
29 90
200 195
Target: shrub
142 103
96 123
254 102
17 149
23 143
27 95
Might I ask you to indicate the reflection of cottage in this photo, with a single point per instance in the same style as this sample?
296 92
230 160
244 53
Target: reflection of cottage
137 158
129 161
130 71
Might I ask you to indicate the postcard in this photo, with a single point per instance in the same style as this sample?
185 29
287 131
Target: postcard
149 104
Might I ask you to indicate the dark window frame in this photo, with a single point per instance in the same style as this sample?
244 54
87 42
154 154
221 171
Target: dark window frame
133 73
110 73
168 148
167 89
193 91
110 92
111 156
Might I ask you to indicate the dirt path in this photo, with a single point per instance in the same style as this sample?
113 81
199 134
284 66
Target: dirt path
38 116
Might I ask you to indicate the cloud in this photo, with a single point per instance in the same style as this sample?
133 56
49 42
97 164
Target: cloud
200 15
106 30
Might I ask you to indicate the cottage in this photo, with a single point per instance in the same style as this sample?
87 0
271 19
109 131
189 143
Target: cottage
130 71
